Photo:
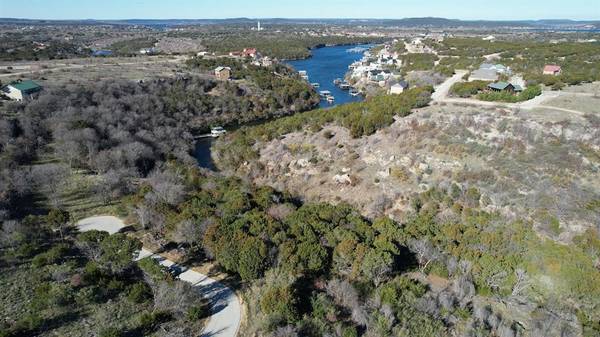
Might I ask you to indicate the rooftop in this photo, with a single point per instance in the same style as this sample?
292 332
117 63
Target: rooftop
485 74
401 84
504 86
552 67
26 86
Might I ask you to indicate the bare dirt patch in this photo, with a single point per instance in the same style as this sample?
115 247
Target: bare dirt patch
524 164
586 104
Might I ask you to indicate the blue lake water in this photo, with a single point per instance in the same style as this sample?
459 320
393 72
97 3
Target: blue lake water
327 64
203 154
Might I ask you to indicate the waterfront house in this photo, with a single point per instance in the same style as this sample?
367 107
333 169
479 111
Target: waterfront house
249 52
21 90
504 86
100 53
552 69
266 61
223 73
148 51
399 88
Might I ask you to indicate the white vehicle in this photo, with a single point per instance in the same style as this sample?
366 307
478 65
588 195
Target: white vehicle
217 131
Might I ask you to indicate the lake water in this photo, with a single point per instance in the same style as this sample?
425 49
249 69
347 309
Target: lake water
202 153
327 64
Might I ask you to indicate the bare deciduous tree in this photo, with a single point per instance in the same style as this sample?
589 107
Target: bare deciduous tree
345 295
167 187
143 214
177 297
50 179
521 283
425 252
188 232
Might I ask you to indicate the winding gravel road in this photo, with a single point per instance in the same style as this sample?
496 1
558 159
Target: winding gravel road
225 305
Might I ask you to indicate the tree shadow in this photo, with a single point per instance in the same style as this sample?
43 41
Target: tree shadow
61 319
405 260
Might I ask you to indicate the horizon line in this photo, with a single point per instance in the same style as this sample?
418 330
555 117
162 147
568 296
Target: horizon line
302 18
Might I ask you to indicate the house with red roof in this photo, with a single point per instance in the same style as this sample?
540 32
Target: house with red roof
249 52
552 69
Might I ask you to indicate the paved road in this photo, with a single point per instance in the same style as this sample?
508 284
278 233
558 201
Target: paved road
108 224
226 307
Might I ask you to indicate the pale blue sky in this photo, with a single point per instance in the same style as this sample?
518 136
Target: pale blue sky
210 9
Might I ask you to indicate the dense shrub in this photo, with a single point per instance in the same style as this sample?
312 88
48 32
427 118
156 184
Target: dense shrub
198 312
110 332
468 89
140 292
280 301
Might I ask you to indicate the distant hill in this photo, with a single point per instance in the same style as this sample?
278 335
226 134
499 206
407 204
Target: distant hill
406 22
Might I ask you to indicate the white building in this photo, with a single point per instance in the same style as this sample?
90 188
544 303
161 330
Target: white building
21 90
398 88
148 51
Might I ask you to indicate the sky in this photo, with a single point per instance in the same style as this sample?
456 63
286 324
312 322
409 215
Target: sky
382 9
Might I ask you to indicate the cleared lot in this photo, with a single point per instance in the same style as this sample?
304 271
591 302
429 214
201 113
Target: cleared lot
586 104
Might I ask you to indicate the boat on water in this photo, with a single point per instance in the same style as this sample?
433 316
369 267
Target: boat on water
337 81
217 131
315 85
344 86
325 93
357 50
330 99
354 92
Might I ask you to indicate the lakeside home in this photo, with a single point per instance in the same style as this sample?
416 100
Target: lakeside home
552 69
504 86
398 88
223 73
21 90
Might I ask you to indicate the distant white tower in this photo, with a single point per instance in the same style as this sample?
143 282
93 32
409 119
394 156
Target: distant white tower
258 27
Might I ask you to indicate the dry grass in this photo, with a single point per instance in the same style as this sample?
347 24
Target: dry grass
524 163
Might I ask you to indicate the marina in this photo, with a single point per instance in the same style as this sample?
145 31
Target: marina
327 67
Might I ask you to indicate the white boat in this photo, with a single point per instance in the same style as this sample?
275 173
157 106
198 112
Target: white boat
337 81
302 72
354 92
330 99
325 93
315 85
217 131
344 86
